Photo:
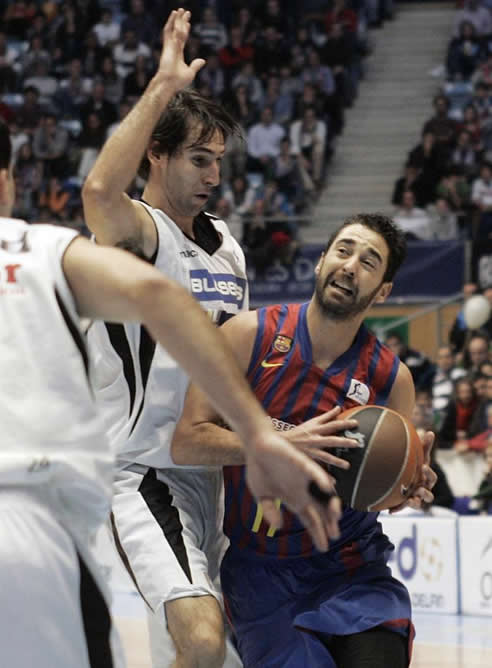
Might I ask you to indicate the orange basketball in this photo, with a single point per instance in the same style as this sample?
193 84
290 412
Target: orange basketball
383 470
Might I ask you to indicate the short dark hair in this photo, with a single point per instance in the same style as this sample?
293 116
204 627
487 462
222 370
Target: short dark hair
385 227
185 110
5 145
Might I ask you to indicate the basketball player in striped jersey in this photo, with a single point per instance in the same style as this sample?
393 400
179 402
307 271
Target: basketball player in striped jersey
167 521
56 465
289 604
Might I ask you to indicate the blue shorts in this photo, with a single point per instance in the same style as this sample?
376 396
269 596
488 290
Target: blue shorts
280 608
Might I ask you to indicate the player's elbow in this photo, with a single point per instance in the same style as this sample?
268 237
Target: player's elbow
180 450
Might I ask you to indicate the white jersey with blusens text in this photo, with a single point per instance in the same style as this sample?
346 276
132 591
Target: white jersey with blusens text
140 387
52 433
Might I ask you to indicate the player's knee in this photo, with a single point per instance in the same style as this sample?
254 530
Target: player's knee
205 647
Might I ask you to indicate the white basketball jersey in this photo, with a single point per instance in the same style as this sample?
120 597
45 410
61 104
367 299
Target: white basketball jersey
51 430
140 387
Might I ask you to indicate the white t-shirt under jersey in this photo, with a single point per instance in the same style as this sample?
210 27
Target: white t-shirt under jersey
51 430
140 387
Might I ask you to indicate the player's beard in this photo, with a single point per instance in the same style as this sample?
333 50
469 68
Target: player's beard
347 309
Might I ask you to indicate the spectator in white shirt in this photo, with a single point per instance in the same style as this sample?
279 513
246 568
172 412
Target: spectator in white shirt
264 143
444 221
308 142
444 379
482 200
107 30
415 222
126 52
474 13
210 31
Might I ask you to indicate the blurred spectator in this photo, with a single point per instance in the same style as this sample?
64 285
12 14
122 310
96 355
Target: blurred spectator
73 91
92 54
483 73
454 188
444 222
481 100
90 141
409 181
212 75
69 31
97 103
287 174
341 15
140 23
54 197
123 109
289 83
271 52
136 82
464 156
125 53
457 334
113 84
18 137
29 113
264 143
241 107
476 14
482 199
440 125
459 413
308 141
256 239
464 52
43 81
282 104
210 31
107 30
254 87
240 195
414 221
430 158
36 53
446 374
317 74
50 144
481 422
484 494
420 366
273 15
247 24
18 16
234 54
471 124
475 351
8 56
28 175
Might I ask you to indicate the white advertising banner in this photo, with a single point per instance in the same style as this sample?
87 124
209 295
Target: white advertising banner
425 559
475 538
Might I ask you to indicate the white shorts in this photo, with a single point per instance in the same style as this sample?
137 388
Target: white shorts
54 603
169 526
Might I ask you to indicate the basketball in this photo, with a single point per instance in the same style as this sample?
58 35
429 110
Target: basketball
383 470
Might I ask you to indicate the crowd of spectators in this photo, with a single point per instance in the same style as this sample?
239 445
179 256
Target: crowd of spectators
454 399
70 70
446 190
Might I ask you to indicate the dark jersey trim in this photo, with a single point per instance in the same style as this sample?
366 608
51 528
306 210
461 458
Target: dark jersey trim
158 498
119 341
74 331
96 620
146 355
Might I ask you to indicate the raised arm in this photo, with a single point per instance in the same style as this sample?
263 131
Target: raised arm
113 285
111 215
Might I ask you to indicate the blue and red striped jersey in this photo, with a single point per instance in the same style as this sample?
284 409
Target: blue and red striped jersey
292 389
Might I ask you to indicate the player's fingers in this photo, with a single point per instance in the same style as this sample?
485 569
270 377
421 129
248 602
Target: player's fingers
271 513
326 458
329 415
427 443
311 517
169 25
337 442
332 514
335 426
196 65
429 476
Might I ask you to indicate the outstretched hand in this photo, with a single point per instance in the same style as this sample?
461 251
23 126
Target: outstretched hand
277 470
172 63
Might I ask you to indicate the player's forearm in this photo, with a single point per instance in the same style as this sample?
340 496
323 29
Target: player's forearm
120 157
206 444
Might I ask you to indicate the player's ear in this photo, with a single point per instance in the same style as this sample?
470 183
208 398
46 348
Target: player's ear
317 269
153 154
383 293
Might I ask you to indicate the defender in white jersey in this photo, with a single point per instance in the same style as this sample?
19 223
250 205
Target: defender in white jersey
56 465
166 519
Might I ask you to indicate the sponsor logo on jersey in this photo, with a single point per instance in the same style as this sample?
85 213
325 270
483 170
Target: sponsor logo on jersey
358 392
228 288
189 252
270 364
282 343
280 425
